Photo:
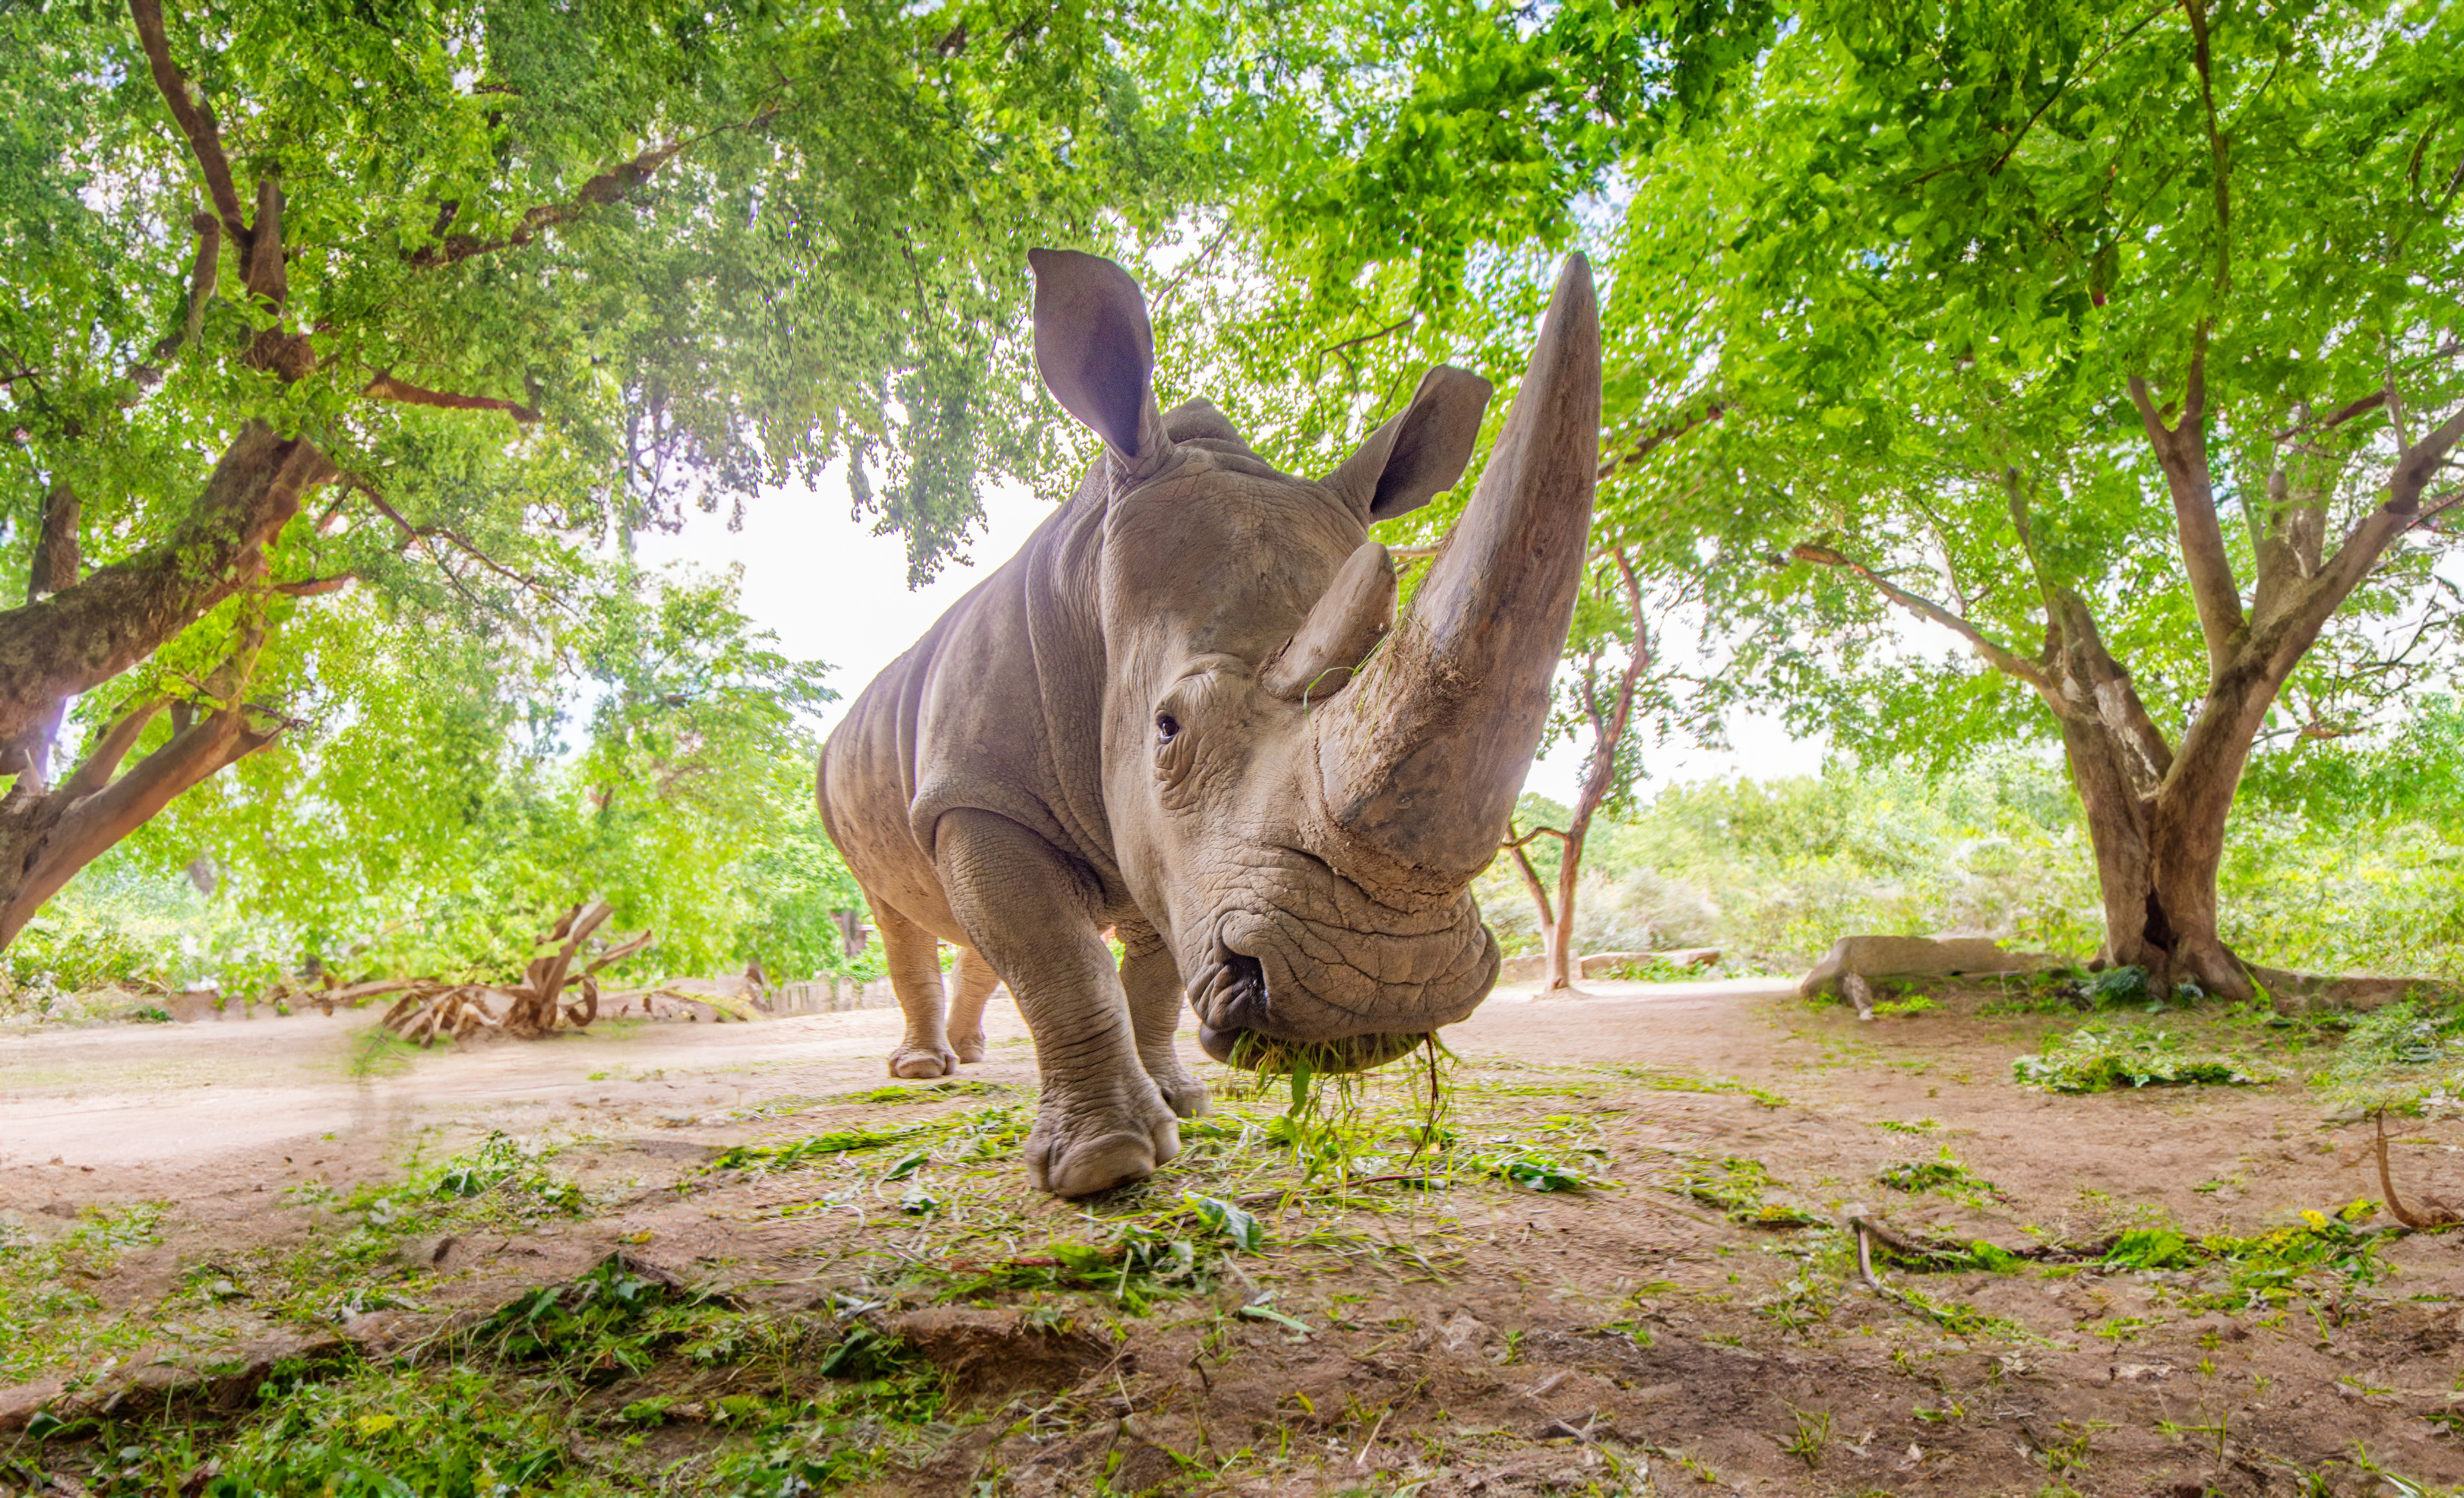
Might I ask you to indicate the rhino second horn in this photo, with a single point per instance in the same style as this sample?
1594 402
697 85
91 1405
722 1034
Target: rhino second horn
1350 619
1422 759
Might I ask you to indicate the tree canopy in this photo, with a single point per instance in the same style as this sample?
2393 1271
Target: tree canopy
2121 345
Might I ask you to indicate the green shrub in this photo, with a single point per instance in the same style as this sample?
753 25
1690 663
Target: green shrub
2099 1058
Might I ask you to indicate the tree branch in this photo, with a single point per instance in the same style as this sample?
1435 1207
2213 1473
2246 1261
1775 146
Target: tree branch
386 388
2097 686
82 636
2369 538
82 824
1387 331
607 187
195 120
2002 658
311 587
58 555
1518 842
461 543
2181 453
2338 417
1661 436
202 274
2219 144
1531 877
103 761
1608 730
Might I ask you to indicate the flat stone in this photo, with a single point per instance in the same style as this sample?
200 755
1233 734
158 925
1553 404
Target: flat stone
20 1404
220 1377
1000 1352
1887 957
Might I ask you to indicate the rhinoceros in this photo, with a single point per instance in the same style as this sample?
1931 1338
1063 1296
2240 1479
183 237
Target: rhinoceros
1186 712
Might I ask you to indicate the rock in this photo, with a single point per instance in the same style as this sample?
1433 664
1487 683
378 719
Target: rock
2302 993
1463 1330
1000 1352
1887 957
1523 969
221 1378
19 1406
1143 1468
1601 964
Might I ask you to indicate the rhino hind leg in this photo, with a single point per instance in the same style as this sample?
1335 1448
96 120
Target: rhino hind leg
915 962
1153 983
976 982
1099 1121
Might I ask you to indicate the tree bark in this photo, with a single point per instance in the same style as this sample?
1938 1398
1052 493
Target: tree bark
84 635
47 836
69 640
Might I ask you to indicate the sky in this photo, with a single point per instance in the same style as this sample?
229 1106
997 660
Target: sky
833 591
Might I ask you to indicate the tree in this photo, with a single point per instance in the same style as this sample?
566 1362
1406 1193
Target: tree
452 793
2121 345
294 300
1606 620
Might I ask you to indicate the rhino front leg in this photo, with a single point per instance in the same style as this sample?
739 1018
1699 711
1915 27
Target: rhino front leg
1031 912
915 962
1152 983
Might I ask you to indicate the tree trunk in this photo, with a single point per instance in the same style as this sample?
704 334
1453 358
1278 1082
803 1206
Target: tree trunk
82 637
2159 842
1562 968
45 837
77 634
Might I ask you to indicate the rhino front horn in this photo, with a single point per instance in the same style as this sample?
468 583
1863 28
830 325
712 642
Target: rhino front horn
1421 756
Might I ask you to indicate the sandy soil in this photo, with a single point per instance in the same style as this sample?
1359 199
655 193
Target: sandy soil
1494 1374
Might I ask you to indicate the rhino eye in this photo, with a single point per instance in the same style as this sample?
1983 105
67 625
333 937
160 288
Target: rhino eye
1167 728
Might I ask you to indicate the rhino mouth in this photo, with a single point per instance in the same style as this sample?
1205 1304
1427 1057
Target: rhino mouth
1256 1013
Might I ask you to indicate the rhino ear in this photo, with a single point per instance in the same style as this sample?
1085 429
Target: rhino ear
1420 453
1096 353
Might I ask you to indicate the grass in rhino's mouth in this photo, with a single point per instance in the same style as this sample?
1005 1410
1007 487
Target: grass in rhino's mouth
1268 1056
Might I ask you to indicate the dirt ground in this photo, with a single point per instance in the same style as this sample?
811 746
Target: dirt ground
2115 1293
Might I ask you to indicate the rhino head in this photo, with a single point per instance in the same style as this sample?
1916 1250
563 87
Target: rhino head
1300 785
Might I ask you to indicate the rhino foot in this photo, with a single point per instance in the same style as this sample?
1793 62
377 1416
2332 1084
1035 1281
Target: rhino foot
1075 1153
919 1063
1184 1093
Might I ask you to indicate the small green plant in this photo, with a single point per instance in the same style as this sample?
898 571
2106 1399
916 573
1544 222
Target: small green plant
1943 1175
1813 1434
1735 1186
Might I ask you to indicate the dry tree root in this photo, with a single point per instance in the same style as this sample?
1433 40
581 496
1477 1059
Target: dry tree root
2436 1214
532 1008
331 992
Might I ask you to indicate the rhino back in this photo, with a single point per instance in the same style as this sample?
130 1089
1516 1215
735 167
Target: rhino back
998 707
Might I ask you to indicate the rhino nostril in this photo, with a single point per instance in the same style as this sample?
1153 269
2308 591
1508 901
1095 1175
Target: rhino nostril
1242 1000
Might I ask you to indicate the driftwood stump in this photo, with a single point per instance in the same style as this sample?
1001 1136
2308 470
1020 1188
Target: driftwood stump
532 1008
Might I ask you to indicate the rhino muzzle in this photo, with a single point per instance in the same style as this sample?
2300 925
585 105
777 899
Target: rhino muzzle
1276 991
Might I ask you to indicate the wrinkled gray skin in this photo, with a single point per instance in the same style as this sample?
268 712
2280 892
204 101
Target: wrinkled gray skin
1171 714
